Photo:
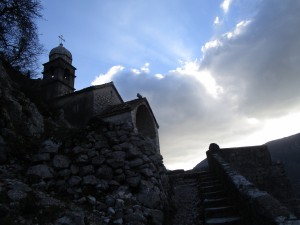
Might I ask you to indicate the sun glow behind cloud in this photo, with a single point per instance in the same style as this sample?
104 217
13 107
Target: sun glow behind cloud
245 86
225 5
108 77
269 129
202 76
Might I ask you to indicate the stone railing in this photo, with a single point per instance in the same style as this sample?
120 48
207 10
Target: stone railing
256 206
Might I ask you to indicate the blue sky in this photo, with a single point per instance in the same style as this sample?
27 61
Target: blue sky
213 71
102 34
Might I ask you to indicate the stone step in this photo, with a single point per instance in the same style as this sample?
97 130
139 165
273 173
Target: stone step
213 195
224 221
211 188
206 175
222 211
208 179
184 185
208 183
215 202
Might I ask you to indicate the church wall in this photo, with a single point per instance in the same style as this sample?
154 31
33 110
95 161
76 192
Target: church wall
120 118
104 97
78 109
155 137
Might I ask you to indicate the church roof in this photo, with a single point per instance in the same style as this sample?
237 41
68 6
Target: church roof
127 107
60 52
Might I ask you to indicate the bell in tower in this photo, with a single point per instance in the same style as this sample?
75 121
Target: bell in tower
59 74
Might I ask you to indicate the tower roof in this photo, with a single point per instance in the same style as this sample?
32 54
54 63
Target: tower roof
60 52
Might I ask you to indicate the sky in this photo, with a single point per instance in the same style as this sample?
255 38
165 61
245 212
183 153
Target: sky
219 71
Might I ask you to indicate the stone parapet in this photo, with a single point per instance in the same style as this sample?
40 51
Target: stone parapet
256 206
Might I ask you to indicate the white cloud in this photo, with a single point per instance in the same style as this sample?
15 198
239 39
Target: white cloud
108 76
159 76
211 44
225 5
136 71
202 76
238 30
146 68
217 20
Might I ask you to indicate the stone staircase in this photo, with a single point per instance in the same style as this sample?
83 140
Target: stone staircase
217 207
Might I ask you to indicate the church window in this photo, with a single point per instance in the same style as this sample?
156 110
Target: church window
67 74
52 72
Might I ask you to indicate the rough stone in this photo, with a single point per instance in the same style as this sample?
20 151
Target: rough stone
115 163
71 218
74 169
102 185
132 153
135 217
89 180
133 181
86 170
41 157
64 173
41 170
91 199
105 172
157 216
74 180
49 146
136 162
98 160
82 158
61 162
149 195
92 153
16 195
147 172
118 221
78 149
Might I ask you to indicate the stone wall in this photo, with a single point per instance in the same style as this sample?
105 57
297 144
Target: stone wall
256 206
256 165
105 96
104 173
20 120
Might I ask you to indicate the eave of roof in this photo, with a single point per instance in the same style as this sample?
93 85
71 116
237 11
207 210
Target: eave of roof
60 59
127 107
90 89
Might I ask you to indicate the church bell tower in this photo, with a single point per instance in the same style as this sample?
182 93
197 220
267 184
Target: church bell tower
59 74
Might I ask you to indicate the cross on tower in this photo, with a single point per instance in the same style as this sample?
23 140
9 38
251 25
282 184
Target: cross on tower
61 39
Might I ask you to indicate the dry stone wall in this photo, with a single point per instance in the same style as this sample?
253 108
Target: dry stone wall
108 176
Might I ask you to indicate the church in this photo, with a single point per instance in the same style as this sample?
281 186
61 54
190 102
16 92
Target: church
103 101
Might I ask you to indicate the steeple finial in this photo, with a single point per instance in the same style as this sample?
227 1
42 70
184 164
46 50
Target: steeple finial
61 39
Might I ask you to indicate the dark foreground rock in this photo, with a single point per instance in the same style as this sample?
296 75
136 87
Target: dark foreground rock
53 174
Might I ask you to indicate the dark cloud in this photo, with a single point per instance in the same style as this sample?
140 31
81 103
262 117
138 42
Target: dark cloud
261 65
257 66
